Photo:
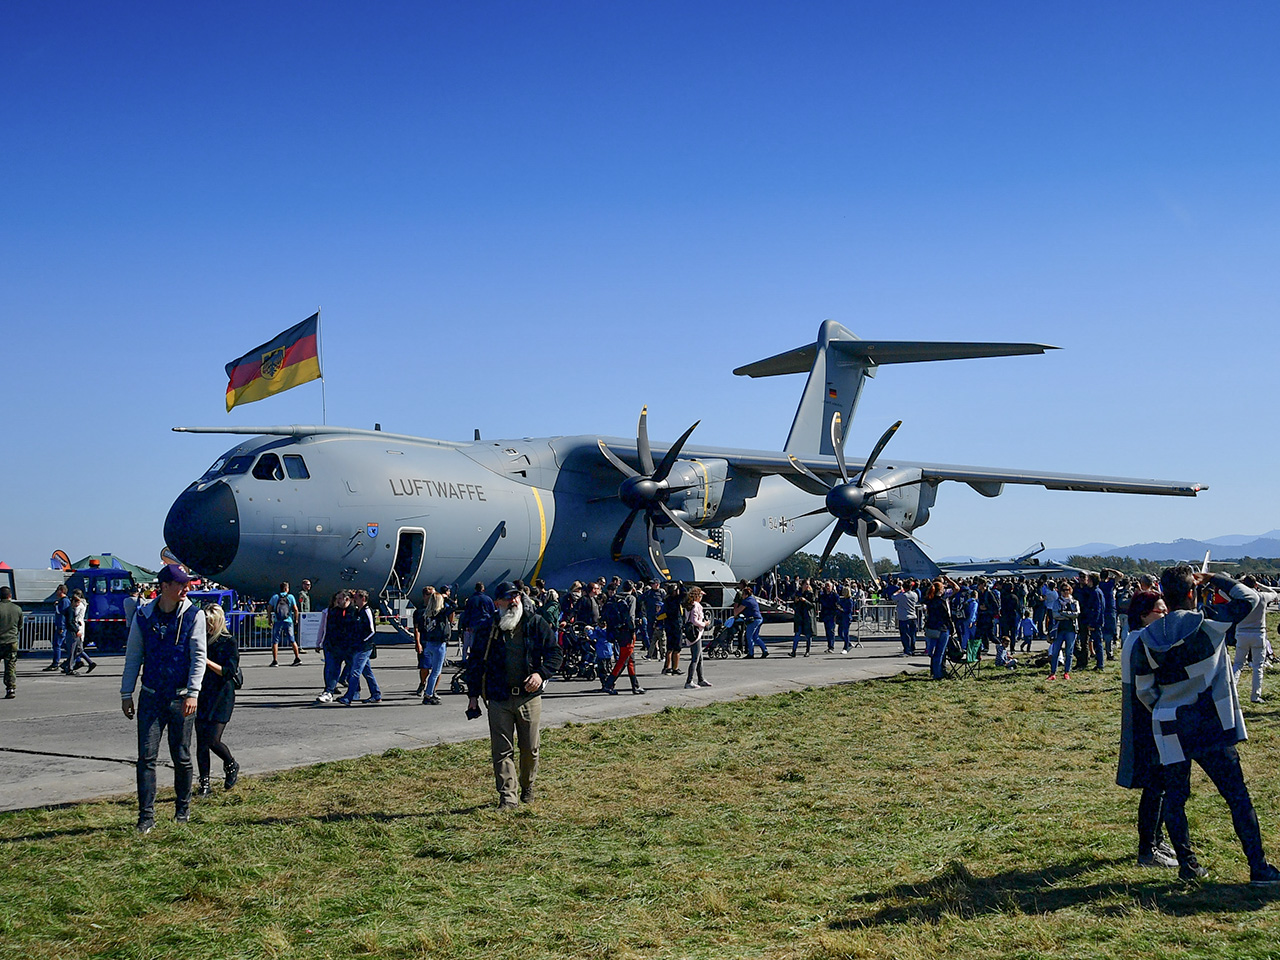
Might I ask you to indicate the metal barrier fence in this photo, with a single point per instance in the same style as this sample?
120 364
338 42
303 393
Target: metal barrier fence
252 630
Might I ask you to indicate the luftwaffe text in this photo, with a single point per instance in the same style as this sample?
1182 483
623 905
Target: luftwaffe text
436 489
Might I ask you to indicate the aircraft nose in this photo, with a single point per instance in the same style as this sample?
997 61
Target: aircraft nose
203 528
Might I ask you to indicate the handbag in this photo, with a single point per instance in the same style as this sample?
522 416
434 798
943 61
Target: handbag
237 678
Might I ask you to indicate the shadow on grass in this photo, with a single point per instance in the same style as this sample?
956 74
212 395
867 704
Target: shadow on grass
955 892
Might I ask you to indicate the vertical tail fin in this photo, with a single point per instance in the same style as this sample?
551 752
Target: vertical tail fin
839 363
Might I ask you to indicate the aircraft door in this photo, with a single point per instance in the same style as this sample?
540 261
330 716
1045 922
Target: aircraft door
411 545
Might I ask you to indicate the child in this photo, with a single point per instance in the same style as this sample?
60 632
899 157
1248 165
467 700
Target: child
1002 656
1026 630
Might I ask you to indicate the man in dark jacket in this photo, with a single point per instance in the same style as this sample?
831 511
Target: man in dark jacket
1184 676
507 669
1092 608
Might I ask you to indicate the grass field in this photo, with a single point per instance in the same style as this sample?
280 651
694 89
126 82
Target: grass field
897 818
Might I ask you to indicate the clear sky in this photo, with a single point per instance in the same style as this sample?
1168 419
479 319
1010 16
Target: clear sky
533 218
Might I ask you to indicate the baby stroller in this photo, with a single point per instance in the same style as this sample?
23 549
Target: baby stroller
578 653
726 642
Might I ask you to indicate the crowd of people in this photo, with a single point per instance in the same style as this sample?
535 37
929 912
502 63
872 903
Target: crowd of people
1180 700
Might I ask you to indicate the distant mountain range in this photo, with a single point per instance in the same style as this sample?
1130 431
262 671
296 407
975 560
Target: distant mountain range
1230 547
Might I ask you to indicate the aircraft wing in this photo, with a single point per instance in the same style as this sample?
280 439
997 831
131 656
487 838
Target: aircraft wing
988 481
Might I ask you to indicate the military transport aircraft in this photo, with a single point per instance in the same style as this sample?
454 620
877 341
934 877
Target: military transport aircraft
390 513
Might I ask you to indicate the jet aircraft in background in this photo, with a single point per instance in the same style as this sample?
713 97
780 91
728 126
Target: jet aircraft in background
913 562
390 512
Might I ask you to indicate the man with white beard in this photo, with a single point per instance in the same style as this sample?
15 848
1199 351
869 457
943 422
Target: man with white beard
507 669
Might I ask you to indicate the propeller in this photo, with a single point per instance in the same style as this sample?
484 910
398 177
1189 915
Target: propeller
648 493
852 502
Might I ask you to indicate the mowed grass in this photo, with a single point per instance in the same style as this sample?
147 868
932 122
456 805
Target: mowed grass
898 818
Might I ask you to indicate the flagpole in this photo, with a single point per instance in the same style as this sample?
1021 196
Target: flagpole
324 403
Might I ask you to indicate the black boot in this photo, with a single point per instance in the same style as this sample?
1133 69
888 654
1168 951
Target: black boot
232 775
205 790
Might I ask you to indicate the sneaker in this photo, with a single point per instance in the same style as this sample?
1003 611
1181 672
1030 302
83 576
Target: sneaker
1066 676
145 826
637 690
791 654
50 668
1256 700
9 694
296 661
691 686
92 667
325 697
432 701
1192 871
346 701
704 683
611 690
1053 676
182 816
230 775
1264 876
1157 858
374 700
274 663
844 652
422 688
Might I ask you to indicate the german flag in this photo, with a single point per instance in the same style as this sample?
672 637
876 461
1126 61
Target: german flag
280 363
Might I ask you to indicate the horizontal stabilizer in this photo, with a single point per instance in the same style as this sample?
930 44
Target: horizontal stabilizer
800 360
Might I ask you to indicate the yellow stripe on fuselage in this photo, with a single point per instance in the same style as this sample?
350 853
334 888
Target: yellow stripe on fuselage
542 533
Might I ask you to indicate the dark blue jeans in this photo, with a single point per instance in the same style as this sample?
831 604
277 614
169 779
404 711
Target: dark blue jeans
155 713
59 640
936 648
1223 768
907 631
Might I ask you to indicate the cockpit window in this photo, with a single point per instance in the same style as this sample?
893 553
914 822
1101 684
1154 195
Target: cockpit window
225 466
296 467
268 468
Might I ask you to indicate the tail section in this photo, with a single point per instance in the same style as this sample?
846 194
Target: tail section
914 562
839 363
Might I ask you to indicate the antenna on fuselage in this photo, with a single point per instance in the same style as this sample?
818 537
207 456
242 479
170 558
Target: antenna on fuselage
477 434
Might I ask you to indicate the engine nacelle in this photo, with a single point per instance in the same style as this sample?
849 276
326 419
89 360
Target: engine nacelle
907 505
704 501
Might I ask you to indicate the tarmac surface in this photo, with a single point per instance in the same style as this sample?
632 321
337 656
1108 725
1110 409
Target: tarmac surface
64 739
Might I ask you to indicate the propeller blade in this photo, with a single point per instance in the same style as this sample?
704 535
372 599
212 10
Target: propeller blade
612 458
620 538
876 513
837 443
673 454
642 441
831 545
864 540
656 556
816 484
877 449
811 513
684 526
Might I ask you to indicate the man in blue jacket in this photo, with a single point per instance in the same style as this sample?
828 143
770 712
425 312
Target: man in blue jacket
167 644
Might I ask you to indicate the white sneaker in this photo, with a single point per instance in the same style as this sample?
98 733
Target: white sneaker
844 652
691 686
325 697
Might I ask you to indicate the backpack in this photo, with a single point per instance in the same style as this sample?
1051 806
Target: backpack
282 606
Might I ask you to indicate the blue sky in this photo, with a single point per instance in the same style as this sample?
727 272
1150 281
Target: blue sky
535 218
